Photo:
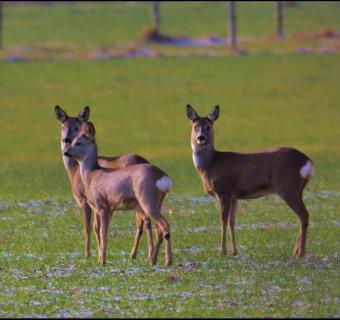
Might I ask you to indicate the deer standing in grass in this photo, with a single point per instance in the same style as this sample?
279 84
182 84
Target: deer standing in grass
140 187
230 176
70 129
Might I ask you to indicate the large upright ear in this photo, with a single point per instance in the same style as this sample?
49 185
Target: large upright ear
84 115
191 113
88 129
214 113
60 114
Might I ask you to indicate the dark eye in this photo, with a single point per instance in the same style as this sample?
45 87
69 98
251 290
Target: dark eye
76 129
78 144
208 127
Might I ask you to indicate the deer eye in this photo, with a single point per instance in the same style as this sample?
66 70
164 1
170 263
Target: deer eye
76 129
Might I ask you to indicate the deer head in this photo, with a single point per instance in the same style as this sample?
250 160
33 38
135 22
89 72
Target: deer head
202 133
70 125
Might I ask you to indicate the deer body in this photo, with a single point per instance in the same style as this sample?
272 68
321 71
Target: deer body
70 128
140 187
231 176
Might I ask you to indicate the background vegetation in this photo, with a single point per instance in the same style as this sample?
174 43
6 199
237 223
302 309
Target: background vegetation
138 105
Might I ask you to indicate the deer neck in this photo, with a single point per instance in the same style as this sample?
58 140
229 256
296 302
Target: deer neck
88 164
71 166
202 155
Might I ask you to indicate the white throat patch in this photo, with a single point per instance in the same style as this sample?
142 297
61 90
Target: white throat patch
196 159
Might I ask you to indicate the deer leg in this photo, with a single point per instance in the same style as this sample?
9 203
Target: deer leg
157 245
163 232
297 244
225 204
139 232
231 223
297 205
87 227
104 226
148 227
96 229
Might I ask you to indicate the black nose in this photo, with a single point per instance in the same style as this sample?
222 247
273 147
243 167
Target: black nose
201 139
67 154
67 140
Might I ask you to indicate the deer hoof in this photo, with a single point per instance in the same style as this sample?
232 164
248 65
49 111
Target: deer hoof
168 263
234 253
133 256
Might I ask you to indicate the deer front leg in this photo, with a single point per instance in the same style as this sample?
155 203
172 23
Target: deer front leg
139 232
231 223
104 226
225 204
87 226
96 229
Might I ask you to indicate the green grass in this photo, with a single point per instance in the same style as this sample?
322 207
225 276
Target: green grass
82 24
138 106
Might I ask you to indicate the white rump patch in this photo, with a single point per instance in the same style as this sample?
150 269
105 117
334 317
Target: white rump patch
164 184
307 170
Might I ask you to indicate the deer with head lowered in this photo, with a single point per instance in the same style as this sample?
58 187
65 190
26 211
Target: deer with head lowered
70 129
141 187
230 176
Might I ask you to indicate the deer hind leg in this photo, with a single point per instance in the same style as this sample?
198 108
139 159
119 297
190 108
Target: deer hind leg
139 232
225 204
297 244
148 228
157 245
163 232
231 223
295 202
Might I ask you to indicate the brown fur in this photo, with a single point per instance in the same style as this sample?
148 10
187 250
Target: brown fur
107 190
70 128
230 176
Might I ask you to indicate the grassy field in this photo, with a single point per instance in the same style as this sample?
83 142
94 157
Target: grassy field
138 105
88 30
115 23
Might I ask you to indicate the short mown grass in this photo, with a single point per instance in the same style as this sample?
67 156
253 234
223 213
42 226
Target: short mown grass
139 106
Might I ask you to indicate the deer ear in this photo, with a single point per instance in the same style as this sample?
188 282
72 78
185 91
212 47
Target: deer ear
191 113
214 113
84 115
88 129
60 114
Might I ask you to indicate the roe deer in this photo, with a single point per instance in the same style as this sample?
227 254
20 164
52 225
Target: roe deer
70 129
230 176
141 187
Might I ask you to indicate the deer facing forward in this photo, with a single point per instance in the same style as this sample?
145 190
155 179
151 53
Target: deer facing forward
70 127
141 187
230 176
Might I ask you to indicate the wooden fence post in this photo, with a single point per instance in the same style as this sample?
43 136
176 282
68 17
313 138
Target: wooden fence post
278 16
232 23
1 15
156 20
